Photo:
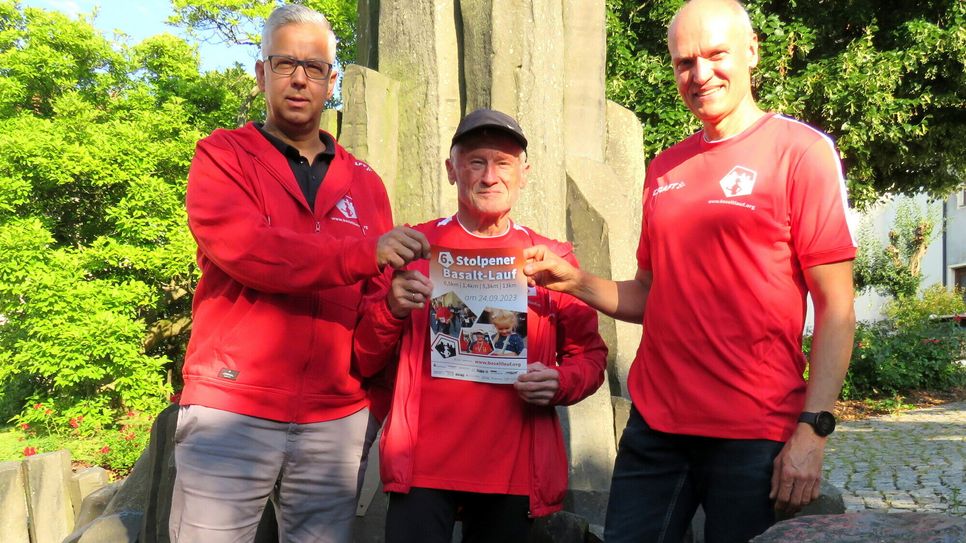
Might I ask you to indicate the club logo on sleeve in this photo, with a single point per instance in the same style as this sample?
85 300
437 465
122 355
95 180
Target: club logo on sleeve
739 182
346 208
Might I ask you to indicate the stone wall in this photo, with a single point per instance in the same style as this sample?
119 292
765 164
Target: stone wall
40 497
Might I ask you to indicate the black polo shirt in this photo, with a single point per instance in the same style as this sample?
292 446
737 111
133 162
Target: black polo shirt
308 175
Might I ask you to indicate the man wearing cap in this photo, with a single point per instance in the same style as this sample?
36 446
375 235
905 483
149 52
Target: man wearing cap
492 451
741 221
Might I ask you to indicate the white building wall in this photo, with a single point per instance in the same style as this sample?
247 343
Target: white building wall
956 233
880 218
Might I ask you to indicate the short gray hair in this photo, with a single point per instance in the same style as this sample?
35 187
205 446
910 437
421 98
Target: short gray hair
296 14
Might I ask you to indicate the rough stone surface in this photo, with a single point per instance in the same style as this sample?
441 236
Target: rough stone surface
829 502
589 504
589 233
13 503
370 122
96 502
367 34
514 62
120 527
624 154
418 48
585 48
868 526
598 197
589 437
330 122
160 474
48 496
84 482
560 527
132 495
622 412
372 527
371 483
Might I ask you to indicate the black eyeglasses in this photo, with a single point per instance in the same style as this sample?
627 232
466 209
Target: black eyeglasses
286 65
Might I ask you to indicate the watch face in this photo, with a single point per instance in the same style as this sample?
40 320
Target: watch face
824 423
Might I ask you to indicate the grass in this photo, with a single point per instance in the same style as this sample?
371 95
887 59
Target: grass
11 447
13 442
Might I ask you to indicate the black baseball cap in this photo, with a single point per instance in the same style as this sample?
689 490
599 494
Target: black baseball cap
490 118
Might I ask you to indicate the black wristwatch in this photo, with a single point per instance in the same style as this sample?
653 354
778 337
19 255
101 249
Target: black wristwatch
822 422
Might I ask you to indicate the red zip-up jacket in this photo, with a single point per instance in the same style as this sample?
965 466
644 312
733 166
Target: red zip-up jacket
280 285
560 329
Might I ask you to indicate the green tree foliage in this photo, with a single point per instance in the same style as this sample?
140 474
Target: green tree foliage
96 262
895 269
886 79
240 21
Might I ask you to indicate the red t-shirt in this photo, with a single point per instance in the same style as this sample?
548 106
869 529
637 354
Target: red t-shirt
727 229
472 437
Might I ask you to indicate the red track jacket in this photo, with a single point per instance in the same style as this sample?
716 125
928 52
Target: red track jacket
281 285
560 328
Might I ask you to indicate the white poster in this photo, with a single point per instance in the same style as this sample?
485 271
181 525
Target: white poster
478 314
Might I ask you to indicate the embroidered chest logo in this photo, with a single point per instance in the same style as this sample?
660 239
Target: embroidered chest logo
739 182
346 208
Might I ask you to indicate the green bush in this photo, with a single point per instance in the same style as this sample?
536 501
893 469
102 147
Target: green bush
918 311
123 445
115 446
909 349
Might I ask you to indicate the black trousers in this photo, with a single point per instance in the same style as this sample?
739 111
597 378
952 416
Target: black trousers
428 515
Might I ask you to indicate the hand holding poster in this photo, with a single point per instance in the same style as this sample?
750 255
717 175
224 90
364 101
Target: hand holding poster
477 315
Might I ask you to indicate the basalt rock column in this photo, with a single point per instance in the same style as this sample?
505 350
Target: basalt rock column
417 48
513 61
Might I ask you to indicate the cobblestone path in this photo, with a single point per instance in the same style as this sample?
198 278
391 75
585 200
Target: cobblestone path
913 461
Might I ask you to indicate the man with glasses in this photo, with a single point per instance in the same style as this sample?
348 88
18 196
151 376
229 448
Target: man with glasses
290 228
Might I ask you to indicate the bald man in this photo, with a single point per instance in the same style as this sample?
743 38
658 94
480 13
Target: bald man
741 222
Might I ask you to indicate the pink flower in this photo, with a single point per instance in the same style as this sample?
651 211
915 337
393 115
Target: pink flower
29 451
74 423
24 426
38 405
105 449
129 437
48 411
860 345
